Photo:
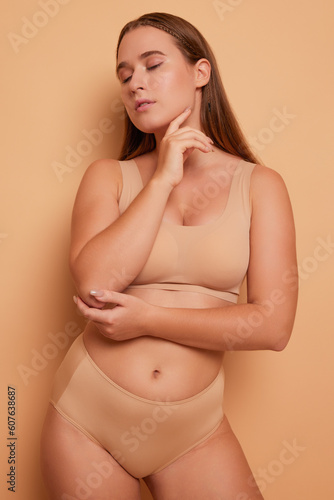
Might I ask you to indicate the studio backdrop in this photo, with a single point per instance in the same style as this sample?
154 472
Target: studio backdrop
60 110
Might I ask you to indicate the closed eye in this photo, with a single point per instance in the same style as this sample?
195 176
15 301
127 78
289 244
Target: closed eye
126 79
154 67
150 68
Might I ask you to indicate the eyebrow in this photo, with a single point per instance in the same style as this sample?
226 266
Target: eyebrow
142 56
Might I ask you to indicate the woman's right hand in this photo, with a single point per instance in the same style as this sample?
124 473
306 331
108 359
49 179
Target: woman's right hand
176 146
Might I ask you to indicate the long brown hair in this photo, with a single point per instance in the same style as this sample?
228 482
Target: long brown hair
217 118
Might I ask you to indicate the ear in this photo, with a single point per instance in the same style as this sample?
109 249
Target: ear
203 72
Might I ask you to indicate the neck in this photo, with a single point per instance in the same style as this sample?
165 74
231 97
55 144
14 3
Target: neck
196 158
193 121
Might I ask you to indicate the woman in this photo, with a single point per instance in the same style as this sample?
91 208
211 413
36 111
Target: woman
161 242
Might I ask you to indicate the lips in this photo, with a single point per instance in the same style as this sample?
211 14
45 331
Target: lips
142 104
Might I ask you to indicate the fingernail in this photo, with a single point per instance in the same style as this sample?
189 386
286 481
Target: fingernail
187 109
97 293
75 299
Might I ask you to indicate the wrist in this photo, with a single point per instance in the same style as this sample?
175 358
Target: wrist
161 183
151 320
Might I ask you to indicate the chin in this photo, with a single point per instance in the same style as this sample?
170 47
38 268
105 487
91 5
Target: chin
152 124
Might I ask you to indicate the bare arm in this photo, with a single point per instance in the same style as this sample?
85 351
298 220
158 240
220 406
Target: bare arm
265 322
108 250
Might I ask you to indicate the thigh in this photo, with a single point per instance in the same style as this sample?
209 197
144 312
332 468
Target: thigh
73 466
216 469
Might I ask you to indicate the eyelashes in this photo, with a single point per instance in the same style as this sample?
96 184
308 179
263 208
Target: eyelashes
150 68
154 67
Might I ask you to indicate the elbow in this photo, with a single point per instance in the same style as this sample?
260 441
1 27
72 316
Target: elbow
283 332
73 265
76 276
279 328
83 282
87 278
280 345
281 339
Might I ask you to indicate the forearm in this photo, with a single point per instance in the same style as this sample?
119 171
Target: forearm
114 257
235 327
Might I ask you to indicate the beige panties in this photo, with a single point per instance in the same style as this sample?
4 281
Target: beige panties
143 435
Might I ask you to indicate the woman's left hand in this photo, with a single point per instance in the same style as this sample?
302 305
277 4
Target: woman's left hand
123 318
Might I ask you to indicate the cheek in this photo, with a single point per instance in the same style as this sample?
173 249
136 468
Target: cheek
159 81
169 81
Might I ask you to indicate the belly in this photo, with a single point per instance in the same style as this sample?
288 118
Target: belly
155 368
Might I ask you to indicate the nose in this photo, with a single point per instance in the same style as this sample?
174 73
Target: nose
138 81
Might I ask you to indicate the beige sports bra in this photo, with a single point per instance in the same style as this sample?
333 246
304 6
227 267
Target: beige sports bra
211 258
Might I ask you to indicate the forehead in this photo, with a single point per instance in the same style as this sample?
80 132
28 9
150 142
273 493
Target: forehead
144 39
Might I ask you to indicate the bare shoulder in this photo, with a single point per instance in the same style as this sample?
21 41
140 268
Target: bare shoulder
262 176
267 185
96 202
104 167
102 175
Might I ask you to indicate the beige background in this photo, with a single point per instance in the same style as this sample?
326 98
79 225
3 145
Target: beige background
276 59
